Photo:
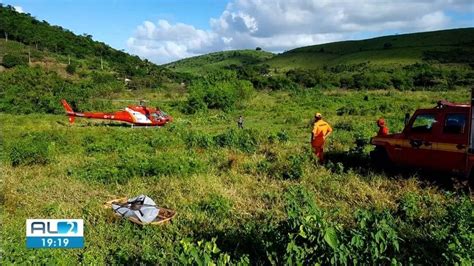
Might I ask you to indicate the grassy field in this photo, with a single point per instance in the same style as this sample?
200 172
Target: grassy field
234 186
393 50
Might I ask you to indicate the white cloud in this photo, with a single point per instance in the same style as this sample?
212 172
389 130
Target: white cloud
285 24
19 9
164 42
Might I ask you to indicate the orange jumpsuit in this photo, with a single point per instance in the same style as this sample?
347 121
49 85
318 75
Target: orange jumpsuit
383 131
320 130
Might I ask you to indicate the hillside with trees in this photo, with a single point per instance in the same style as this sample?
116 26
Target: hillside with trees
445 46
42 63
427 60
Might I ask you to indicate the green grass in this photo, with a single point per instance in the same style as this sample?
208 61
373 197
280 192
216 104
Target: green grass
402 49
229 193
388 50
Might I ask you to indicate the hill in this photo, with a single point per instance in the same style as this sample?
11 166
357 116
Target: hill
445 46
434 60
42 36
208 62
41 63
448 46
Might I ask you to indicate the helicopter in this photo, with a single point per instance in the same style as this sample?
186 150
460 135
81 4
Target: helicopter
136 115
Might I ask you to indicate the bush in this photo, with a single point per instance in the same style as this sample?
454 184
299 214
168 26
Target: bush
306 235
71 69
214 92
283 136
216 206
245 140
205 253
197 139
376 237
12 60
31 149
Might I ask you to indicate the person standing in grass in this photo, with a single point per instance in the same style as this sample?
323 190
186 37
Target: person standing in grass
383 129
240 122
321 130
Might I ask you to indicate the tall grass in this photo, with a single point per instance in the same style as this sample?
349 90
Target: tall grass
242 196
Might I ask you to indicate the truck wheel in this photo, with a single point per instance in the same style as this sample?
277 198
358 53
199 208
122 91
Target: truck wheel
379 157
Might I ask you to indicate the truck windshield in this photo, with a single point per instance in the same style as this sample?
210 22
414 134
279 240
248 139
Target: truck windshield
423 123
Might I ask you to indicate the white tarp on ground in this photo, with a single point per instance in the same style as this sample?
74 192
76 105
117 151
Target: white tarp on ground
142 207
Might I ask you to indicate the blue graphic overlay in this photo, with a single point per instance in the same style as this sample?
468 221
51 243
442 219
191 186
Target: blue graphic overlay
54 233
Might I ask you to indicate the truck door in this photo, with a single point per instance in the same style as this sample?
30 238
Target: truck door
451 149
419 138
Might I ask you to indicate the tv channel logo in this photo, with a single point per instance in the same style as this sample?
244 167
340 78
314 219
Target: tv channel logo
54 233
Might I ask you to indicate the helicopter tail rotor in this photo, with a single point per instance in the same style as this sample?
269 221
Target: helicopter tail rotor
69 111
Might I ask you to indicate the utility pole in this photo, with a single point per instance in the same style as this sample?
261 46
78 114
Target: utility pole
29 55
6 36
68 59
101 63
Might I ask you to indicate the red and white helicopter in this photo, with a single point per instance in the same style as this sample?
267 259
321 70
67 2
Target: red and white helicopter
138 115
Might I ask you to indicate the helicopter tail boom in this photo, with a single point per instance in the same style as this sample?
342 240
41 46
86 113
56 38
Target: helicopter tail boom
69 111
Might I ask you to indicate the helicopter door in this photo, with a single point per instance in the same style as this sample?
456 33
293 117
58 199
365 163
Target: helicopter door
138 117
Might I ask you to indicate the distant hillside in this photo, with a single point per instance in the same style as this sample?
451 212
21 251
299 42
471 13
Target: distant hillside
203 63
41 63
446 46
42 37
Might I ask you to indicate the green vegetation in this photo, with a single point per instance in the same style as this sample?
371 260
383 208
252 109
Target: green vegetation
45 63
430 60
219 90
42 36
403 49
243 196
215 61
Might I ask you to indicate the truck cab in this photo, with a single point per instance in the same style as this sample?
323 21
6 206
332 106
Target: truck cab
436 139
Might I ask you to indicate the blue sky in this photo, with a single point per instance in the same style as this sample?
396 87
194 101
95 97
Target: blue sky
167 30
116 20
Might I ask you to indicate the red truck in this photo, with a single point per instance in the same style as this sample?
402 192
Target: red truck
439 139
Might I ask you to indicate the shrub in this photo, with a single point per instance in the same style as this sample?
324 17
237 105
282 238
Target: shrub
375 239
214 92
216 205
12 60
305 236
71 69
205 253
31 149
294 168
245 140
283 136
197 139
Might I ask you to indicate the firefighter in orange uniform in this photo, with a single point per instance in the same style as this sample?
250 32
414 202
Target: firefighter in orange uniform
321 130
383 129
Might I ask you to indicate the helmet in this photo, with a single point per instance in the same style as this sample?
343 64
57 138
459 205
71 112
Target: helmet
318 115
381 122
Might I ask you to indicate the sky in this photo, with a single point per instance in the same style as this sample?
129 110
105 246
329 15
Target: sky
167 30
